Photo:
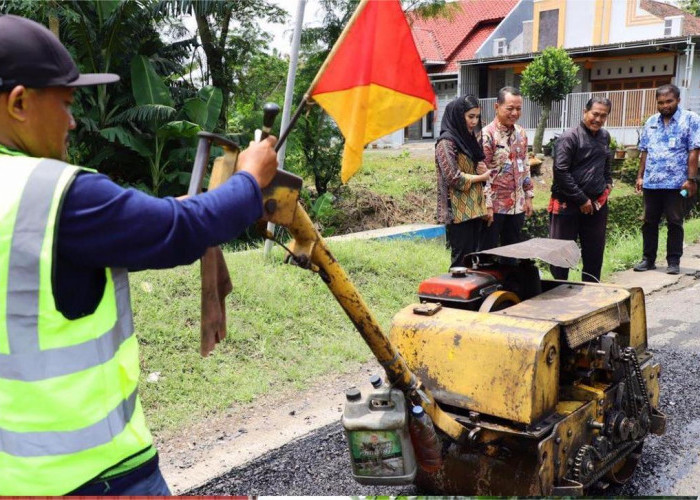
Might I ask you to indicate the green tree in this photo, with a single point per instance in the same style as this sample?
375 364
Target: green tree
229 34
154 122
548 78
104 36
691 6
261 79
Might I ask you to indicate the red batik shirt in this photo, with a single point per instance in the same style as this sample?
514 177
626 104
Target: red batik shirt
506 157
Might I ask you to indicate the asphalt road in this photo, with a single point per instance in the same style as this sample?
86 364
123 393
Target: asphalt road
319 464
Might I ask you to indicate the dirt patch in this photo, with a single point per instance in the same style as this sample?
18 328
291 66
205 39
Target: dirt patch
359 209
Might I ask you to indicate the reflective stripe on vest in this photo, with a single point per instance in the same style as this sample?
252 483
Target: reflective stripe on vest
26 361
69 407
39 444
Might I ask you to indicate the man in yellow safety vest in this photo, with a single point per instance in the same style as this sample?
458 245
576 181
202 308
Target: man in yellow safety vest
70 416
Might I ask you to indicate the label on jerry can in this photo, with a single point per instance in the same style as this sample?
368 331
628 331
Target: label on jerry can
376 453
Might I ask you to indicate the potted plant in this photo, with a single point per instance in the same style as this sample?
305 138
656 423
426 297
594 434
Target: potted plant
548 148
618 151
633 151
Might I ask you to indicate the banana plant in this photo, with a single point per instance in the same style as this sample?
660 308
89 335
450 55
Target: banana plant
154 121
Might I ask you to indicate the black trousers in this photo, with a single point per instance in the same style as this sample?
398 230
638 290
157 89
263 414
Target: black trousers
505 230
658 202
463 239
590 232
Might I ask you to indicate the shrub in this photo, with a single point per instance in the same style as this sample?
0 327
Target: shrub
614 146
625 214
628 172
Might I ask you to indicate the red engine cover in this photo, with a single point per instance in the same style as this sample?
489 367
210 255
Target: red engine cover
459 288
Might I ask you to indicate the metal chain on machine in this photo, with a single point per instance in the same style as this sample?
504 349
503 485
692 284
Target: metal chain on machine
638 416
626 423
584 463
645 412
587 477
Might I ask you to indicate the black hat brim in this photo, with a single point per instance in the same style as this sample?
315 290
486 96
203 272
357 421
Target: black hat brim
88 79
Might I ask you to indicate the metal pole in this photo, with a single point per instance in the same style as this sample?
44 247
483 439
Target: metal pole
288 97
690 60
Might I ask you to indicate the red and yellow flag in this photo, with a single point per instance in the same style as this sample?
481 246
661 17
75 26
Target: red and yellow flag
373 81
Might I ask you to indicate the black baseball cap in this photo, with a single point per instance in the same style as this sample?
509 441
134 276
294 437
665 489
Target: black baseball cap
32 56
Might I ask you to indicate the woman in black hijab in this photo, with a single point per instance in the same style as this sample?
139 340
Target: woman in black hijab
460 177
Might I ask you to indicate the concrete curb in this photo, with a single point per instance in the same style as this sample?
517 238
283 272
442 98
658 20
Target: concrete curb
404 232
651 281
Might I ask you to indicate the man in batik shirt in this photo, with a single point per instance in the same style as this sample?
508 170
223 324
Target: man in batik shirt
668 167
509 190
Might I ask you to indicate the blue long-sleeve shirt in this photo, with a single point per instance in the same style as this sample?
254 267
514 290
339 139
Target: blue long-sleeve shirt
104 225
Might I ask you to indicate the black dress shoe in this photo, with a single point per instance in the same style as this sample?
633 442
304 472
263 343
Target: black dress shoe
673 269
645 265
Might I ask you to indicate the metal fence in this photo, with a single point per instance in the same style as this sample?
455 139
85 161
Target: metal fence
630 109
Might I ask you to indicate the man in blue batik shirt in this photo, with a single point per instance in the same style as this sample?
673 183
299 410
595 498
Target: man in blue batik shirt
668 165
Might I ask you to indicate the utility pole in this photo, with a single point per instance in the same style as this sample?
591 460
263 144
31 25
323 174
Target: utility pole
288 97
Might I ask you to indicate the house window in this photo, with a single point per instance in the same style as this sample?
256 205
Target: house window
598 72
673 26
619 71
653 68
499 47
608 71
641 69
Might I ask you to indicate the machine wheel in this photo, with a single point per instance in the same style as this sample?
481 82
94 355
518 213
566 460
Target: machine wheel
622 470
498 301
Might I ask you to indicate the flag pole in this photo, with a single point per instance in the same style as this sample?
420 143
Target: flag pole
292 122
336 47
288 98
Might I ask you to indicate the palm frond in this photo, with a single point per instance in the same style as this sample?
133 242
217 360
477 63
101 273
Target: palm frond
147 113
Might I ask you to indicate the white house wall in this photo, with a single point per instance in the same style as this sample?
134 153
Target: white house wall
579 23
515 46
510 28
620 32
631 67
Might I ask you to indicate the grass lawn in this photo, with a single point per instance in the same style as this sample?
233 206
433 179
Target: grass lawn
622 251
284 327
394 172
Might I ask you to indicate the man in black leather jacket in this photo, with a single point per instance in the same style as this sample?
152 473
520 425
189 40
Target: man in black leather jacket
582 182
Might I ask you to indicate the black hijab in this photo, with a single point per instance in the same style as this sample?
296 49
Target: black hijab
454 127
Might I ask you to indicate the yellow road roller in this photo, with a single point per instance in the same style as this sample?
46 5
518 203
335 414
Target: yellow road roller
497 382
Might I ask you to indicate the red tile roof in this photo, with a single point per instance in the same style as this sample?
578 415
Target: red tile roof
457 37
428 45
471 44
691 24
